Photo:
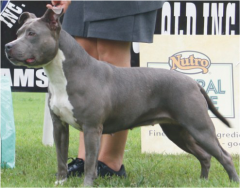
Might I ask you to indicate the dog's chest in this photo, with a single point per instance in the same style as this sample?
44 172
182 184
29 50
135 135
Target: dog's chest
59 101
61 106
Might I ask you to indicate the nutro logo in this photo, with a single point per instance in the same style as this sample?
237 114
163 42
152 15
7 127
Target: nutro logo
190 62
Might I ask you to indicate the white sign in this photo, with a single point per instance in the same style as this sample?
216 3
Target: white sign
213 62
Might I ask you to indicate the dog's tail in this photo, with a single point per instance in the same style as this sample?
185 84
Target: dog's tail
213 108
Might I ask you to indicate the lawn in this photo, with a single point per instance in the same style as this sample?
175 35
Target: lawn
36 163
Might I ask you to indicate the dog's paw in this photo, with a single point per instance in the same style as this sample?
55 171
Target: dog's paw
60 182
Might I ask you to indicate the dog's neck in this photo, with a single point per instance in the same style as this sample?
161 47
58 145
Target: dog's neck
54 71
59 101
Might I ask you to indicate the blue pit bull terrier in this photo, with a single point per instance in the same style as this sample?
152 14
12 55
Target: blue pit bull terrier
98 98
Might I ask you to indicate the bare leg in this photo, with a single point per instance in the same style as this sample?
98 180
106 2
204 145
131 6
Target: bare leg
118 54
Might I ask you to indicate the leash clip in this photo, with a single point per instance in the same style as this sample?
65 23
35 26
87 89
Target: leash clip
57 10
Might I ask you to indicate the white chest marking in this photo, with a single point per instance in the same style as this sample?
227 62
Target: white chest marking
59 102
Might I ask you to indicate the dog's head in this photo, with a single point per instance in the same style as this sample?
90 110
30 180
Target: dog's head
37 40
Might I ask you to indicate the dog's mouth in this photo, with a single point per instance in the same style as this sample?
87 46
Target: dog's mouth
27 61
30 60
12 59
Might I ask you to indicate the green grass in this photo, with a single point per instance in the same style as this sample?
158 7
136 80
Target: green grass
36 163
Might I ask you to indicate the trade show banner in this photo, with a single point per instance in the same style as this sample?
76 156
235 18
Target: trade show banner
213 62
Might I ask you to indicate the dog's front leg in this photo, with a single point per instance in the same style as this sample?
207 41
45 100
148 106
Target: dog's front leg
92 138
61 140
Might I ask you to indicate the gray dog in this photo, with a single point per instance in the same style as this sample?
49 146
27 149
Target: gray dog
98 98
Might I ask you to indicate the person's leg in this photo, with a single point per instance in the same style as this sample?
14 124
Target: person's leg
89 45
112 147
116 53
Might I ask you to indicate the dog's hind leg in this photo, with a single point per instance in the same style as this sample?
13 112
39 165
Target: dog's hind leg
203 131
181 137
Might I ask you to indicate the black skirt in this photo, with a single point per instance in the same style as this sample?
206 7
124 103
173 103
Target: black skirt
133 28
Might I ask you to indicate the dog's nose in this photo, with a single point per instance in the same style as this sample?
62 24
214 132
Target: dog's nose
8 47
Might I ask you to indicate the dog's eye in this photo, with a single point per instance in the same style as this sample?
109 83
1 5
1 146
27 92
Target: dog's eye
30 33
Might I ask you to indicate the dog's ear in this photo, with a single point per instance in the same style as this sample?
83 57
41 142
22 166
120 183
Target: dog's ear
52 18
25 16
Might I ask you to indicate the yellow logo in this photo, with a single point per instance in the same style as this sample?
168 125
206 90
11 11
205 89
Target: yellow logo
190 62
